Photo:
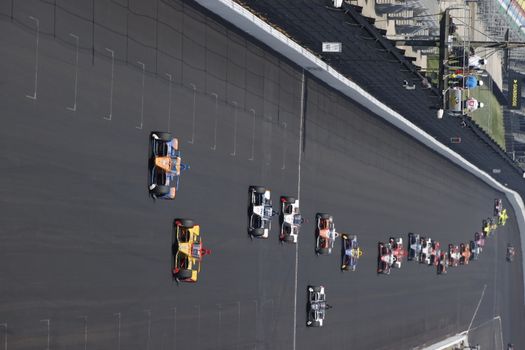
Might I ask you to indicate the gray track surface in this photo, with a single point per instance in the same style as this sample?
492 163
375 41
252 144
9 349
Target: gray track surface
83 247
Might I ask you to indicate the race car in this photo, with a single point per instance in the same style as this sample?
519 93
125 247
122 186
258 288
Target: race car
511 252
386 259
502 219
260 212
396 245
488 226
325 234
426 251
435 253
187 251
453 255
351 252
498 206
414 247
464 250
442 262
475 250
165 165
390 255
290 219
316 306
480 240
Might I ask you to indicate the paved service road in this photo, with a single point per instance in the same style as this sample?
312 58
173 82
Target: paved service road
85 254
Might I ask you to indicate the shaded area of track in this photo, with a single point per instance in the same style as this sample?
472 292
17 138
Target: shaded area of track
87 253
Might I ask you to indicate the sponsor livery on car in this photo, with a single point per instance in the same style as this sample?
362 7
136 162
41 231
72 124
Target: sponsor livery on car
498 206
351 252
325 234
453 255
464 250
414 247
316 306
187 251
290 219
165 165
260 212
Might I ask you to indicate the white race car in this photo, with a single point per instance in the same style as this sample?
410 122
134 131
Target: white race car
426 251
290 219
260 212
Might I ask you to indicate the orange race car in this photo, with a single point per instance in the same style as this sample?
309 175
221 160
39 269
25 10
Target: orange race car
325 234
464 250
165 165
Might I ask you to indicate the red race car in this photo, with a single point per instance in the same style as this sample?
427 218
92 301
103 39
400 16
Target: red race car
390 255
442 262
435 251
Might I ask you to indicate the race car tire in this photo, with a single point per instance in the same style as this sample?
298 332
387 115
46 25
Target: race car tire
324 216
188 223
323 251
258 189
257 232
160 190
183 274
163 136
286 199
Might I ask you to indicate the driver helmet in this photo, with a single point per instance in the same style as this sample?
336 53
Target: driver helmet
480 82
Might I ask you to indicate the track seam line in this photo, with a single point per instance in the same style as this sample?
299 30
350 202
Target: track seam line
477 308
298 198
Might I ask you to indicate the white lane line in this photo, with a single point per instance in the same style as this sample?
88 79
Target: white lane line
477 308
238 325
118 315
148 312
169 102
234 103
76 37
142 96
500 331
214 147
284 146
110 115
4 325
301 120
37 23
194 87
253 135
270 135
48 321
85 331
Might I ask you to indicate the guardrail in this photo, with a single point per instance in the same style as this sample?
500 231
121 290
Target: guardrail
245 20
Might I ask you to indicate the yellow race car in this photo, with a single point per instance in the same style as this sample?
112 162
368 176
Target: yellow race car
187 251
488 226
503 216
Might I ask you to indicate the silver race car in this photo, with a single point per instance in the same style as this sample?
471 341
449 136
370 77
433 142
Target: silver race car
316 306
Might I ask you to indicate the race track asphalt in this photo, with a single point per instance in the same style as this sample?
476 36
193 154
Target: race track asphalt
85 254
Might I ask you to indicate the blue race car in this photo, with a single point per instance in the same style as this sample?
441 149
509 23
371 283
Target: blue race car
351 252
165 165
